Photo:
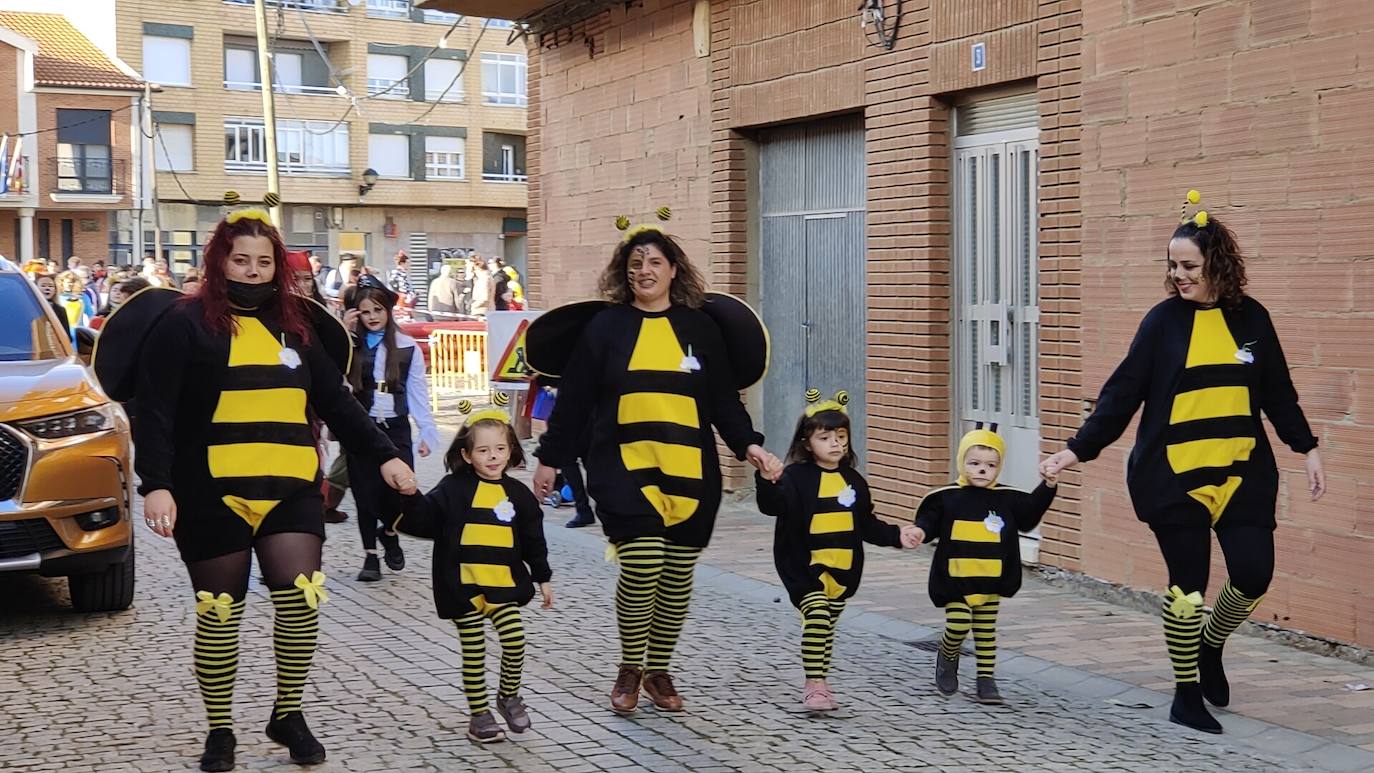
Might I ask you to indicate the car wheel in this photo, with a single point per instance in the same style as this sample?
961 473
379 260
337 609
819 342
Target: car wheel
107 591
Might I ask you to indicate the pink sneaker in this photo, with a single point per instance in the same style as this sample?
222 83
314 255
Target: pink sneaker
816 696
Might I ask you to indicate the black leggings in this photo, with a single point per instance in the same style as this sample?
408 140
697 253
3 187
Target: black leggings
1249 553
377 501
282 557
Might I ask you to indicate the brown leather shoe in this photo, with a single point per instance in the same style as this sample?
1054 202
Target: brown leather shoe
658 685
625 693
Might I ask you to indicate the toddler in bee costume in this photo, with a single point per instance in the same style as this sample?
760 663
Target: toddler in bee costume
825 514
977 562
489 551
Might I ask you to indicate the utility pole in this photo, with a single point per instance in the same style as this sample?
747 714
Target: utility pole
269 111
147 120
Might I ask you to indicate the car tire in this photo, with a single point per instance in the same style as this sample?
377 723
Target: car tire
109 591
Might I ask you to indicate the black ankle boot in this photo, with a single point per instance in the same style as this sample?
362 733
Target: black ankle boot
946 674
290 731
219 750
1189 711
395 559
372 569
1215 688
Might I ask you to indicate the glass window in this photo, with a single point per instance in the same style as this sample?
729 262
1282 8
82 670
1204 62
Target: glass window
240 69
386 75
173 146
286 68
26 333
167 60
389 154
443 80
503 79
303 147
444 158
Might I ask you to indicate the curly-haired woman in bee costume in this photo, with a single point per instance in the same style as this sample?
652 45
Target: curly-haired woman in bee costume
1205 363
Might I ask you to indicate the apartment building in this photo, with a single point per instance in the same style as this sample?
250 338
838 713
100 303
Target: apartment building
70 149
958 212
397 128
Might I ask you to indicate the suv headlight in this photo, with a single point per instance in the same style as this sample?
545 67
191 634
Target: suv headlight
66 425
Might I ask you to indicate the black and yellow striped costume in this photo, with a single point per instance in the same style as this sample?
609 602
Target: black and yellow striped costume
650 386
978 560
223 427
824 517
1202 460
489 551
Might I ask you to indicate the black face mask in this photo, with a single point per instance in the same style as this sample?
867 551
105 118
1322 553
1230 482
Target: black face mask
246 296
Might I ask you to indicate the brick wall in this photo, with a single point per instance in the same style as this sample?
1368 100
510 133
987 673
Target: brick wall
120 151
1267 107
9 87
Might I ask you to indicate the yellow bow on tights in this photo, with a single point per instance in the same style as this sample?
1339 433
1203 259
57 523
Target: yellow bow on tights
221 605
1184 604
313 589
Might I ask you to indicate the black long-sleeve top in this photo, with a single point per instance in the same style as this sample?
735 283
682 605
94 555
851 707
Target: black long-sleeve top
824 518
489 546
650 386
979 552
223 417
1201 453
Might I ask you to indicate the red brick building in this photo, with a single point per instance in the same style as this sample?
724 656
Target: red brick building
77 110
962 208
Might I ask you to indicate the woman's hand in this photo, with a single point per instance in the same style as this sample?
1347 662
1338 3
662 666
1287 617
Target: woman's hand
546 590
765 462
399 476
423 450
160 512
350 319
912 536
1316 476
1057 463
544 476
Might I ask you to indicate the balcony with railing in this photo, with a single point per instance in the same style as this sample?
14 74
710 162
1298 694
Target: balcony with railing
388 9
280 88
88 176
321 6
504 177
440 17
388 88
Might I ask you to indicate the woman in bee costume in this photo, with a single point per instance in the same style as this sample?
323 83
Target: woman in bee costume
649 375
226 456
1205 362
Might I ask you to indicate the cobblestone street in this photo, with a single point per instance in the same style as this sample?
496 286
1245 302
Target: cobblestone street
115 692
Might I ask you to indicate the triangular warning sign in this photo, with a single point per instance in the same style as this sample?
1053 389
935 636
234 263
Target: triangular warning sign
512 365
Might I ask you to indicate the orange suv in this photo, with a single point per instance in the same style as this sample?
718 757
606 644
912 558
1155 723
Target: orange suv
66 492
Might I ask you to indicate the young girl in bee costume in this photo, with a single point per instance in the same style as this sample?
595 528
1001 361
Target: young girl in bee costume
489 552
650 375
226 455
825 514
1204 363
978 561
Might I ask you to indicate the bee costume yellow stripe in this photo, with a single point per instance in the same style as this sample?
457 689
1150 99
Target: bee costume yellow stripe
224 381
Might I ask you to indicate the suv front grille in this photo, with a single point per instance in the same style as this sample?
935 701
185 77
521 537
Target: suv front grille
21 538
14 458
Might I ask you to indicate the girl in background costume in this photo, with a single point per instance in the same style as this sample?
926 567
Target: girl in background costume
489 552
388 378
978 561
825 514
649 378
1205 363
227 464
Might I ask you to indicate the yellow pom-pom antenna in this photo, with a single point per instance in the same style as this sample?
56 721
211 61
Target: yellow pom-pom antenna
501 398
665 214
232 198
271 200
842 397
1194 197
813 395
465 407
816 405
1200 219
1190 200
622 223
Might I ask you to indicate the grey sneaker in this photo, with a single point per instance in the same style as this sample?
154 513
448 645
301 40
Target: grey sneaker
512 709
987 691
483 728
946 674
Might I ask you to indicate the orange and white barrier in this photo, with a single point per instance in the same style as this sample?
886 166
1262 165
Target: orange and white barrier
457 364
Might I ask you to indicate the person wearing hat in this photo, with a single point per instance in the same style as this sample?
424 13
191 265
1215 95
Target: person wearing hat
388 378
648 379
225 380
